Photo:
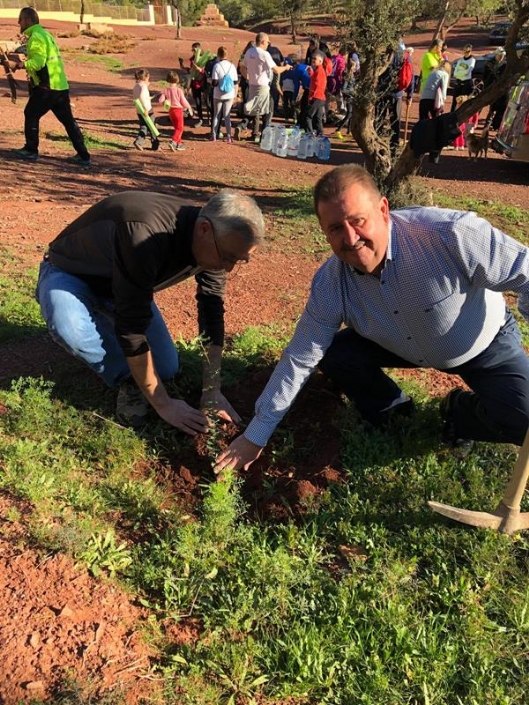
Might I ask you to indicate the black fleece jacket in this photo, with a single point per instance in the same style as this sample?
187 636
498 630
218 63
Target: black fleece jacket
132 244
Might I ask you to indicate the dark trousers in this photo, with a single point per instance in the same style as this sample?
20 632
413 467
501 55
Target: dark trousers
288 104
315 111
197 97
496 410
40 102
496 111
303 107
461 88
426 109
144 132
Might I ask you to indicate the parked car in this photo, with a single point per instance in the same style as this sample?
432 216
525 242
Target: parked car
512 139
498 33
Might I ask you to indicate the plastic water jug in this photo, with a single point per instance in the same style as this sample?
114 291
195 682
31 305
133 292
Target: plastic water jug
282 144
302 149
310 145
324 148
293 142
267 138
276 137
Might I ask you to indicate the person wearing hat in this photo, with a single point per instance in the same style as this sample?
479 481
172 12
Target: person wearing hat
493 70
462 73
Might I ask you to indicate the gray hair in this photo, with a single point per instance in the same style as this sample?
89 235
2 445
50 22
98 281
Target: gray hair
232 211
261 38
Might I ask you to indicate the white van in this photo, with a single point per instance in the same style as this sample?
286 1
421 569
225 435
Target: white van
512 138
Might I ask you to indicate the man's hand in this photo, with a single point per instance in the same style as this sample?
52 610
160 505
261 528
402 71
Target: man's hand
215 401
180 415
241 453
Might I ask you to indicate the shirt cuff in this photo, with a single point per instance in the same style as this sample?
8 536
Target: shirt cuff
259 432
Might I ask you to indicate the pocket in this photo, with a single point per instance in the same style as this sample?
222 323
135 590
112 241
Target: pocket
441 312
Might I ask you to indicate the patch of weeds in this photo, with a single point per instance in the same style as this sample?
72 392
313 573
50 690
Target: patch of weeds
295 227
110 43
70 34
107 62
19 312
70 464
260 344
103 553
91 141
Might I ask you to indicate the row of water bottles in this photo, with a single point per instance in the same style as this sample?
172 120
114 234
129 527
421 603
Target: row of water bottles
294 142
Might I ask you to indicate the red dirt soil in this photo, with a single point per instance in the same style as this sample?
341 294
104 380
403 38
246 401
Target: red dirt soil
57 621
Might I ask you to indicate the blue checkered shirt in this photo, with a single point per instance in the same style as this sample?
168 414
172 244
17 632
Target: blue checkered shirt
437 303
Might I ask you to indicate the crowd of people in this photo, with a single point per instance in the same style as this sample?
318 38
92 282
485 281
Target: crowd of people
310 91
318 89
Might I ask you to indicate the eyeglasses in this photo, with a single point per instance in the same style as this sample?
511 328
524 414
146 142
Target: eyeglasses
229 259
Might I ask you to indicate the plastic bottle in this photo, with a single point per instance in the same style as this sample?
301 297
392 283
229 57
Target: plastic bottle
293 142
276 137
310 145
302 148
318 146
267 138
282 144
324 148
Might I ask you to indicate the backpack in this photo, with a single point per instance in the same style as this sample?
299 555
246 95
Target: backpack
226 84
405 75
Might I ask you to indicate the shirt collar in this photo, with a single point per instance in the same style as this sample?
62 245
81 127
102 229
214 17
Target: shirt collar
392 241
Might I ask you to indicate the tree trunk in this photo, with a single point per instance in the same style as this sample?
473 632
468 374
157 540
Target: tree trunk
178 23
293 32
375 148
438 32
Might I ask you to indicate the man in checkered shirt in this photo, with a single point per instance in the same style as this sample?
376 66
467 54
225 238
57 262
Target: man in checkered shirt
415 287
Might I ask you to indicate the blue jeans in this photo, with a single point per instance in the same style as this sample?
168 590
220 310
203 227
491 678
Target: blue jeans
497 409
82 322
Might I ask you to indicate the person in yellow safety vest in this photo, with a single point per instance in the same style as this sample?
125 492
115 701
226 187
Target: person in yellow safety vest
431 60
48 89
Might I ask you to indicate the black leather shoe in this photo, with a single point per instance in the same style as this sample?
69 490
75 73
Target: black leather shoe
449 435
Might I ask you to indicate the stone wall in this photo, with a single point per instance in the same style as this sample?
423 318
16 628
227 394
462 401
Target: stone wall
212 17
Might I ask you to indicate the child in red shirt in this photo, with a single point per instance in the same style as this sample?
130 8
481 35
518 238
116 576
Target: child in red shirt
317 94
175 98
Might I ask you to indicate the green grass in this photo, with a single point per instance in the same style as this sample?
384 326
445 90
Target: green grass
19 312
366 597
511 219
108 63
430 611
295 227
91 141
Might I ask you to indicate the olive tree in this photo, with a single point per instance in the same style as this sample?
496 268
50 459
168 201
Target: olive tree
374 27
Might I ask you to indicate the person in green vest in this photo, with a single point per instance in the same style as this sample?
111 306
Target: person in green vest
48 89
